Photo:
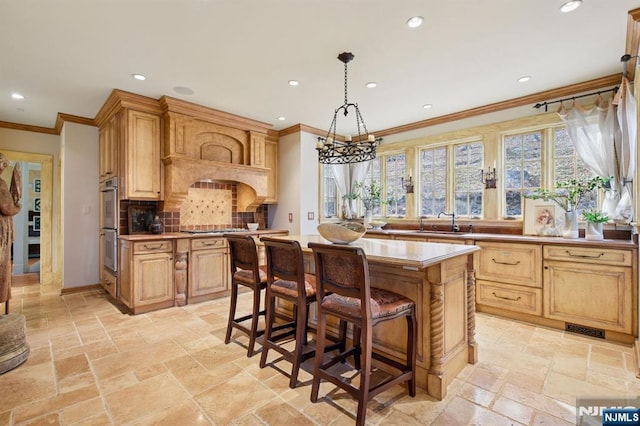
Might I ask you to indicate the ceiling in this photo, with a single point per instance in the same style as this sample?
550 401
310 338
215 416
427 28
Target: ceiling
238 55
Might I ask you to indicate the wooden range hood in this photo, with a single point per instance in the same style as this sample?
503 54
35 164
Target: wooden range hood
203 144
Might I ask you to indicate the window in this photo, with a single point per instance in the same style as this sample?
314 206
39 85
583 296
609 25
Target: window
522 169
433 181
373 175
568 165
467 179
395 172
330 193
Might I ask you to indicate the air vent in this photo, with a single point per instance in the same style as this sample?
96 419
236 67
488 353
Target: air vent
587 331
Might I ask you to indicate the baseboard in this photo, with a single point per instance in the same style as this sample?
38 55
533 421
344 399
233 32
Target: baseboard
80 289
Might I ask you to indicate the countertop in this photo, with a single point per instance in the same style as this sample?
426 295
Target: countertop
505 238
178 235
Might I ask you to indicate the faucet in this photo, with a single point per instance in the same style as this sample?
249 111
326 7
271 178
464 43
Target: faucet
422 224
454 227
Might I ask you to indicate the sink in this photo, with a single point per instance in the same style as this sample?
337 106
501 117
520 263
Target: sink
435 231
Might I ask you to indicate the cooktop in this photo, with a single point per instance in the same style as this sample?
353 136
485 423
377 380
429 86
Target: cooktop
213 231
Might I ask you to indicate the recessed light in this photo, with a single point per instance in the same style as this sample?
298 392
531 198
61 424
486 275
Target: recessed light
293 82
371 84
183 90
415 21
17 96
524 79
139 77
570 6
281 118
427 106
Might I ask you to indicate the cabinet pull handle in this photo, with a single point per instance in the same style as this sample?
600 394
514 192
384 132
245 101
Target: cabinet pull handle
585 256
210 244
148 247
506 298
506 263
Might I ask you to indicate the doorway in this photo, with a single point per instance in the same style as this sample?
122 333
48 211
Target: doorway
32 247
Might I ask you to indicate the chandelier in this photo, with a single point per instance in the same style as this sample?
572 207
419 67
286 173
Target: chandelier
354 149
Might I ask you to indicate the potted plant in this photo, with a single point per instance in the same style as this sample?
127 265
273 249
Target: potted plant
595 219
568 196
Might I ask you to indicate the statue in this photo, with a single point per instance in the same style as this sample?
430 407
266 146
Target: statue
9 206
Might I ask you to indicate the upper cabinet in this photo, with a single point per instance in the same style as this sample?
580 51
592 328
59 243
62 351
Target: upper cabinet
109 133
141 160
271 163
131 145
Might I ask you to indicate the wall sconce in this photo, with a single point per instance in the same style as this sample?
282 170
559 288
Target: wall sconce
489 177
408 185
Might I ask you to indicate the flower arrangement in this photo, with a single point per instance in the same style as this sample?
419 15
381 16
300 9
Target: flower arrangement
370 194
595 216
570 192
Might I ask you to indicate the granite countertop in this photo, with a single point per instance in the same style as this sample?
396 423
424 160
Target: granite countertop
177 235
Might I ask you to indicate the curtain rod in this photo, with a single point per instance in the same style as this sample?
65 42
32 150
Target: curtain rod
573 98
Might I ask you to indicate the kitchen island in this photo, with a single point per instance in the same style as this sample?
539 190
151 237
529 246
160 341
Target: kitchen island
440 279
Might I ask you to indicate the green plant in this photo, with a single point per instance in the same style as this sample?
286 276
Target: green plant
570 192
595 216
370 194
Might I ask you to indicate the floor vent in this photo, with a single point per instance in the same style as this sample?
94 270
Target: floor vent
582 329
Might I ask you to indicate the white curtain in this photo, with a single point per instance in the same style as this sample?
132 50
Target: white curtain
347 176
626 146
604 138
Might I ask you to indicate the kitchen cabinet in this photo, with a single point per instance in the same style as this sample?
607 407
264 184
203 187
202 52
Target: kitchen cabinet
271 162
208 269
589 286
108 148
146 275
509 277
142 165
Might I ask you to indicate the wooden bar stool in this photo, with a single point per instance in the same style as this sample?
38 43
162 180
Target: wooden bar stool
246 272
287 280
344 291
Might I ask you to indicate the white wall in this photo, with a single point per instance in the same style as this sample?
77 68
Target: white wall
80 218
297 185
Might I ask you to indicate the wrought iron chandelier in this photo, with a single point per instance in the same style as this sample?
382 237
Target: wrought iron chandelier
354 149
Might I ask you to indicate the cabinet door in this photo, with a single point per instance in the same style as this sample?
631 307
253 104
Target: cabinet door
153 278
108 143
143 162
271 162
589 294
208 272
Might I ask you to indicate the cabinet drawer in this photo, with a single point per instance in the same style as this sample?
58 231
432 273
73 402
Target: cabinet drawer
208 243
512 297
152 247
510 263
601 256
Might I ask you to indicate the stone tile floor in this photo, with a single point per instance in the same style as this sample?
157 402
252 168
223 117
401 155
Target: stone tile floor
90 364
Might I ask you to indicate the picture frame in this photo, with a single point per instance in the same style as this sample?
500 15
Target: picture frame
140 218
36 185
542 218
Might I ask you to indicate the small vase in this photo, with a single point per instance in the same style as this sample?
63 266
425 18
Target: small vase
593 231
571 225
368 215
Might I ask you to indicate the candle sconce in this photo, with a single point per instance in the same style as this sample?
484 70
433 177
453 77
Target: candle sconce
408 185
489 178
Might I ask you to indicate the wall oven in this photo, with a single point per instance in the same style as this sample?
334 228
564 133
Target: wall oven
109 196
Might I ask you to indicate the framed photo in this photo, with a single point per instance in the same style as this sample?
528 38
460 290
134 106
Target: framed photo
36 204
36 185
36 223
140 219
544 218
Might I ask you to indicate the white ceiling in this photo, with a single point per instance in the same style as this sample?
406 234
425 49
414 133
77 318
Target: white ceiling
238 55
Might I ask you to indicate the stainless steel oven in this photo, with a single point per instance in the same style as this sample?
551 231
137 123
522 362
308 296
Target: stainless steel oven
110 250
109 190
109 199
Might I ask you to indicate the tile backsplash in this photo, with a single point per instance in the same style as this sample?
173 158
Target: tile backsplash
209 205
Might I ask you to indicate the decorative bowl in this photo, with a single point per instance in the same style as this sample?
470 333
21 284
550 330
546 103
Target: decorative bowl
377 224
252 226
342 233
